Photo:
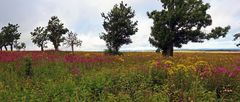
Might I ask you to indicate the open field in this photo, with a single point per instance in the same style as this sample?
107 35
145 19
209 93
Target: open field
135 76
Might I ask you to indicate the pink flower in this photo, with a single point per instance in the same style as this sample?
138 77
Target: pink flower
232 74
221 70
237 69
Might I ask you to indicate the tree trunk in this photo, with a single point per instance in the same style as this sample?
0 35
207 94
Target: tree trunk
56 47
72 48
168 52
5 48
11 47
1 48
164 52
116 50
42 48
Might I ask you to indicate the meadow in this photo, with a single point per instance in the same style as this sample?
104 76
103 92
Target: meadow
133 77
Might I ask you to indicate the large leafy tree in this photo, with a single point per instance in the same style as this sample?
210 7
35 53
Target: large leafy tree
56 31
180 22
40 37
72 40
119 27
10 35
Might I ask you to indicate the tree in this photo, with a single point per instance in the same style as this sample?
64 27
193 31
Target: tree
19 46
40 37
11 34
236 37
119 27
1 41
180 22
56 31
72 40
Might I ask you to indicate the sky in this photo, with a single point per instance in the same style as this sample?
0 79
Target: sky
84 18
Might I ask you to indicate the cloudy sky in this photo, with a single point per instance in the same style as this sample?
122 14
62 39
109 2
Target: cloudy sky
83 17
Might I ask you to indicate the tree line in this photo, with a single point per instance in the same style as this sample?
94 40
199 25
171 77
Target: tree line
53 32
179 22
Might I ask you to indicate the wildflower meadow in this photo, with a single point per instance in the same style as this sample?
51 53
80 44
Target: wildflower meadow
131 77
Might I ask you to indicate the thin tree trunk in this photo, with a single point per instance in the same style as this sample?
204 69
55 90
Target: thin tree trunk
6 48
42 48
56 47
72 48
11 47
116 51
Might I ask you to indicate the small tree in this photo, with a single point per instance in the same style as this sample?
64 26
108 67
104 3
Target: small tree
1 41
236 37
119 27
72 40
40 37
11 35
180 22
56 31
18 46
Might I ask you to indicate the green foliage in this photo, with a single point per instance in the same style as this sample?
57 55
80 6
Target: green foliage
19 46
236 37
180 22
119 27
28 67
72 40
111 52
56 31
1 40
39 37
225 87
10 34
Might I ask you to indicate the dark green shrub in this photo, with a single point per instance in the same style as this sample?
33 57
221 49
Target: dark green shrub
28 67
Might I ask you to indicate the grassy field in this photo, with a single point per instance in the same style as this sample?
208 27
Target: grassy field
133 77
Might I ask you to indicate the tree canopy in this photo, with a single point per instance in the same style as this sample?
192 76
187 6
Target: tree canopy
40 37
180 22
119 27
56 31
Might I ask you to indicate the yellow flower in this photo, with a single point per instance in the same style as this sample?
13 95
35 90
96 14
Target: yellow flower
170 72
192 68
201 64
121 59
168 64
182 67
87 55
